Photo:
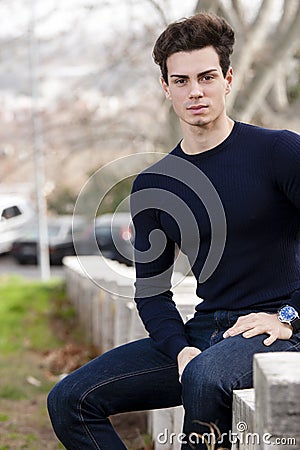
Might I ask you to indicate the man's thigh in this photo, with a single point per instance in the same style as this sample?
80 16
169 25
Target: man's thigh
131 377
230 362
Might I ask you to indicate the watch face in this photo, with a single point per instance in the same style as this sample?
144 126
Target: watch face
287 314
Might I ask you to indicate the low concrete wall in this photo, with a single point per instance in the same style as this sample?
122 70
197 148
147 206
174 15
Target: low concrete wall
268 416
102 292
265 417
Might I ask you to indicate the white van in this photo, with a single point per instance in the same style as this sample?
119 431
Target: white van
15 212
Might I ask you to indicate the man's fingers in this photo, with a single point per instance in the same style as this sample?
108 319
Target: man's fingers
250 333
184 357
242 325
234 331
250 325
255 324
270 340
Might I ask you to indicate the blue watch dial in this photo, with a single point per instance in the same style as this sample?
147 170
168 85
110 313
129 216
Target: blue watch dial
287 314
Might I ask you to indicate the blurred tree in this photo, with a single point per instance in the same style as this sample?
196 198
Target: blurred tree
266 62
118 194
99 89
61 200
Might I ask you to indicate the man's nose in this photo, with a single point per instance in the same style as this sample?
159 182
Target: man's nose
196 91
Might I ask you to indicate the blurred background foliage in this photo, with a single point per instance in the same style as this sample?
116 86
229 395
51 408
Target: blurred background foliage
98 89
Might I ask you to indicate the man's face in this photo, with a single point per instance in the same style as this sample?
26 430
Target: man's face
197 86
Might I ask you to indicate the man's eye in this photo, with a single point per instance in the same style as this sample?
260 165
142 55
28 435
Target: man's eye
180 81
208 78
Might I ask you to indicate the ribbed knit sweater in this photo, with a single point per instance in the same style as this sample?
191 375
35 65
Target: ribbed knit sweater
241 202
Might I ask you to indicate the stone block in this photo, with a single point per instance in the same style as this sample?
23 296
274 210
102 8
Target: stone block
277 400
166 428
243 419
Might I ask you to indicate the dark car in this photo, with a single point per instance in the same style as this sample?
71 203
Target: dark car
110 235
25 249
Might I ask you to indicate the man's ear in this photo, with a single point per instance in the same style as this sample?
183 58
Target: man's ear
228 80
166 88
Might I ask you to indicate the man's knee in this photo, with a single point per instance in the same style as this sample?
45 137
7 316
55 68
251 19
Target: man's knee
204 375
61 403
195 373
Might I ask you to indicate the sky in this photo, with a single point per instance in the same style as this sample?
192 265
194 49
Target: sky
16 14
106 17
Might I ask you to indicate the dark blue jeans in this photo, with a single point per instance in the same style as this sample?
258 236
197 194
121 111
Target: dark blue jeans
137 376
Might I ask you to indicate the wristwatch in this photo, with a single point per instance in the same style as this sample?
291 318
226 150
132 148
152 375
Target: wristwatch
288 314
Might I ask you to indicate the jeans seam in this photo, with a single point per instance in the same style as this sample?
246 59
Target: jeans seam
240 378
85 394
212 336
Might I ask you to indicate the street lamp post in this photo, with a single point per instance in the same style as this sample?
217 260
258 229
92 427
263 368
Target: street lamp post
43 250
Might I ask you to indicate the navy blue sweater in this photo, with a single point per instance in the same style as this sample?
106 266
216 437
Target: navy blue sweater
235 211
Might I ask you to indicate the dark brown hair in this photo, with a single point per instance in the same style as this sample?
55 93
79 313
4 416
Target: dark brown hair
193 33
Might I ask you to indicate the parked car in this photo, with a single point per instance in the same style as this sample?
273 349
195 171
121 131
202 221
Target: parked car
25 249
15 213
110 235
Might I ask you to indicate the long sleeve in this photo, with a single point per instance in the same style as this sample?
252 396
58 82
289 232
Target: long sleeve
286 166
154 258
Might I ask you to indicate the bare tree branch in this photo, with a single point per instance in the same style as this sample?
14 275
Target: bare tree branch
261 85
230 15
289 10
238 11
207 5
254 40
161 11
279 96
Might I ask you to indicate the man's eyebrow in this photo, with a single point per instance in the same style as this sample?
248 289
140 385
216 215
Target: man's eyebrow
199 74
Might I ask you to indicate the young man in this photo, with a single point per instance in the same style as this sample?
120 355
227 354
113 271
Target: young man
229 193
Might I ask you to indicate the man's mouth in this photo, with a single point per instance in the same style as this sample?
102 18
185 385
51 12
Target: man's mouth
197 107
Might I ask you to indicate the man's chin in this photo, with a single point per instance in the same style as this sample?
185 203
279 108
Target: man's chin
196 121
200 122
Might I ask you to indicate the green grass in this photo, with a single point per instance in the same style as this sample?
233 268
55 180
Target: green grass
28 310
25 308
33 317
3 417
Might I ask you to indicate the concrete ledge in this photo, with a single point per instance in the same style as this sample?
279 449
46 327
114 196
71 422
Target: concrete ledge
277 400
102 292
269 416
243 419
166 428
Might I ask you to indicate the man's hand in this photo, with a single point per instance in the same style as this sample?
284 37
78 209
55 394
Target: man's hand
185 356
259 323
